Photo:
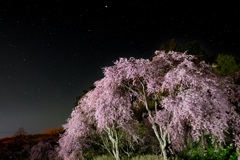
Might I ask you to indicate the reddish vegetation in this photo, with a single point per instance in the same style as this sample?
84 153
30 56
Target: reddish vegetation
15 146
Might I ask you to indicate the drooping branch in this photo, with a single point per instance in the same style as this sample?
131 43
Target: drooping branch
143 79
133 92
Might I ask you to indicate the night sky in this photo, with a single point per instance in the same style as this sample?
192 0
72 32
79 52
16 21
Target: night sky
50 51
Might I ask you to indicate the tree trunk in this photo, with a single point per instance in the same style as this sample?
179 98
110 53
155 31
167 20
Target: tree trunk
115 149
162 141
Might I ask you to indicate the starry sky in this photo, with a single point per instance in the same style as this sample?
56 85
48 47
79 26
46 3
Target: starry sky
50 51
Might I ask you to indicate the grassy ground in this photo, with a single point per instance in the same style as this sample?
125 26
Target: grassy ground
146 157
228 153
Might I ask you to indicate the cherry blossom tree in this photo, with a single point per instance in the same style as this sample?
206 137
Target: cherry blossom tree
104 106
184 91
75 137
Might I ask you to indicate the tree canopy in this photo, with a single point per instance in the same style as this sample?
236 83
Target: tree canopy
194 48
225 65
184 91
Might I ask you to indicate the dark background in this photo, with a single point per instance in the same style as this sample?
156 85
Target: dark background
52 50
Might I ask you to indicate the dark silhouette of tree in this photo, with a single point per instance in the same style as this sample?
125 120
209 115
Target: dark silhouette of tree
164 47
20 131
211 58
174 46
194 48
